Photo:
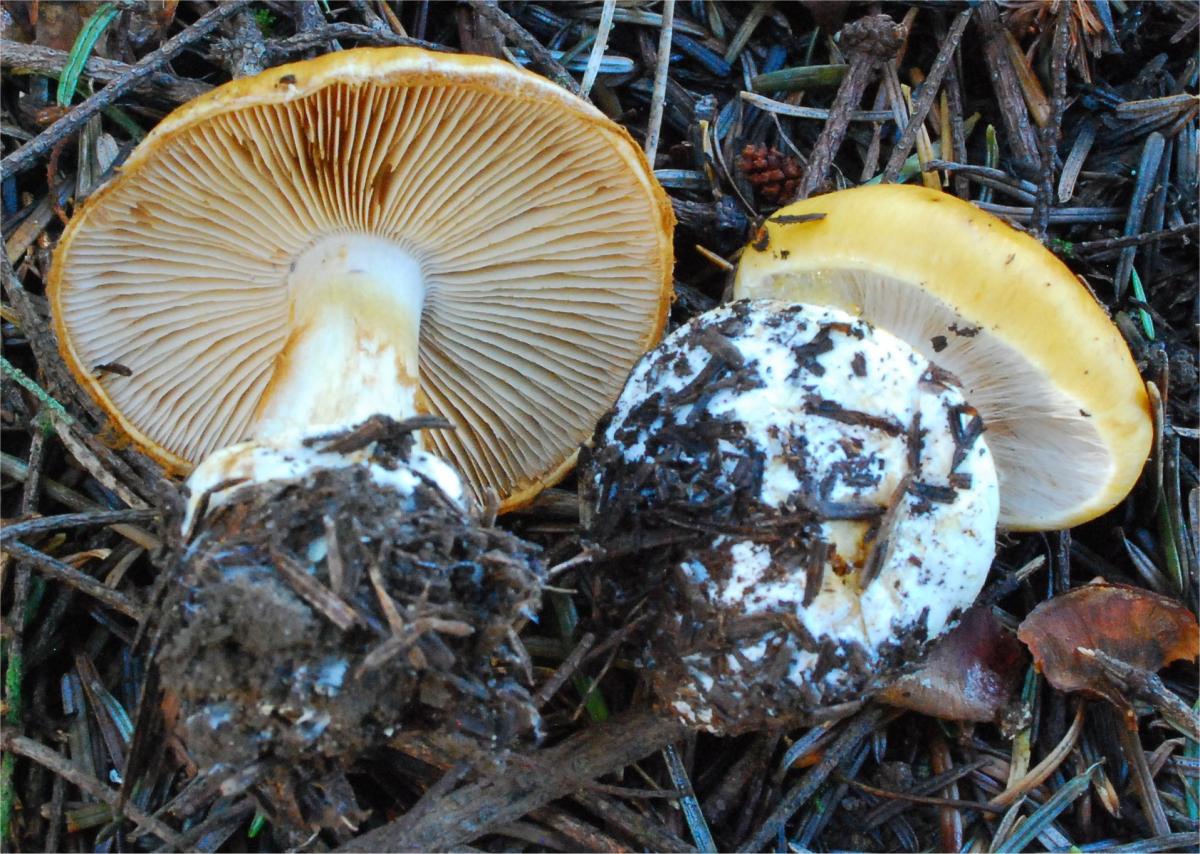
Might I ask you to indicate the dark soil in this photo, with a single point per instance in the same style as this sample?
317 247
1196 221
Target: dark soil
309 622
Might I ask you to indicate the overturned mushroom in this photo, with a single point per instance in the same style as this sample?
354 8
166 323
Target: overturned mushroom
297 270
376 231
826 509
825 499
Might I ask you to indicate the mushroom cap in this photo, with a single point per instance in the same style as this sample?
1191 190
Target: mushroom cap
829 504
1066 411
542 239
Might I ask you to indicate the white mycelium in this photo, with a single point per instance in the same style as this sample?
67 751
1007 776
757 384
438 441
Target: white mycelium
837 419
219 477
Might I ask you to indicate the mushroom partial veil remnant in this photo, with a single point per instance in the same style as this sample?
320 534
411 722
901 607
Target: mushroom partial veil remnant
376 231
824 498
1066 411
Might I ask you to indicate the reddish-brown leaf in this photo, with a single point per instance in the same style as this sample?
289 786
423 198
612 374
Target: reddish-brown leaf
970 674
1140 628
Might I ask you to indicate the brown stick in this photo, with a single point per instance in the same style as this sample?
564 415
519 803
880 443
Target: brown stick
279 49
138 73
1049 135
47 60
1008 91
869 42
525 784
46 524
57 764
67 574
929 90
795 797
518 35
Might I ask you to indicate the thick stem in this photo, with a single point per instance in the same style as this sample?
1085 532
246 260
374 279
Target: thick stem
356 319
355 313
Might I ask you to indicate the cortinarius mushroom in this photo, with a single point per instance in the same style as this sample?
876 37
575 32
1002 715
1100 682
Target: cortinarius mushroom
818 470
1066 411
310 259
377 231
829 504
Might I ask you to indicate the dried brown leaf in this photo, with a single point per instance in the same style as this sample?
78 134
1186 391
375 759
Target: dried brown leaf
970 674
1135 626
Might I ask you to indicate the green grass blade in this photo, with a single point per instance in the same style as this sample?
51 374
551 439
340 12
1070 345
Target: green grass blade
85 42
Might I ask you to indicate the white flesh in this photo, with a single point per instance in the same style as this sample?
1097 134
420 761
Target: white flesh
356 317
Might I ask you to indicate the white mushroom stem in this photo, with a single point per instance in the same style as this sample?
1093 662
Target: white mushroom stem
356 314
355 305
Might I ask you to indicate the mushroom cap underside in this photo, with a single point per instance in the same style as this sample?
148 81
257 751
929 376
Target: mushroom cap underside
542 240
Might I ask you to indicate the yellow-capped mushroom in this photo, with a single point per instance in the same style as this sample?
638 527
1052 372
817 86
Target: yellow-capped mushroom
1066 411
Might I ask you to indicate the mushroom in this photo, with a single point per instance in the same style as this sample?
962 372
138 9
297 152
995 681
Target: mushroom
819 499
296 272
815 475
1066 411
376 231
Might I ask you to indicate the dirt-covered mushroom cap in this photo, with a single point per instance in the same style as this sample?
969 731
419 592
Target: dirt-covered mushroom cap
1067 414
375 230
317 614
813 501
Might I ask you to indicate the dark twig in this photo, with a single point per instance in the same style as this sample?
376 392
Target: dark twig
143 69
996 178
1098 249
958 133
928 93
59 571
542 59
886 811
869 42
846 743
527 783
45 524
583 836
70 772
652 835
12 467
925 799
569 665
234 814
279 49
1143 780
1048 136
47 60
1013 110
1149 687
442 787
